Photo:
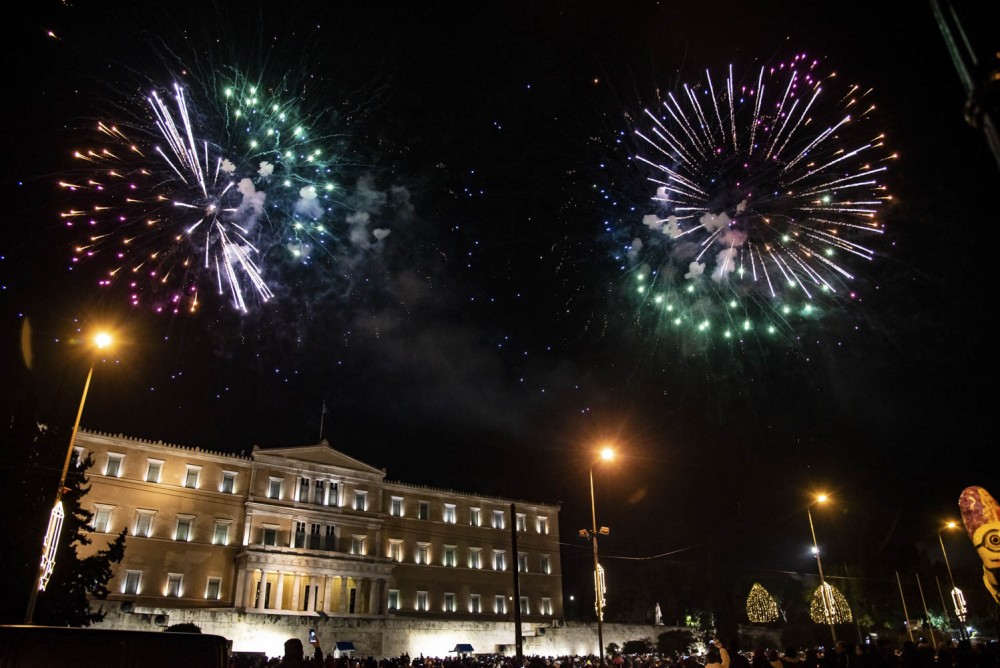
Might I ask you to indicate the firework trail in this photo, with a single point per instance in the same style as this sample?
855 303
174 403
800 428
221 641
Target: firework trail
766 195
181 198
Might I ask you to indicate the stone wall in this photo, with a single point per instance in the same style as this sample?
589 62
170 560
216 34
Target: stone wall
381 636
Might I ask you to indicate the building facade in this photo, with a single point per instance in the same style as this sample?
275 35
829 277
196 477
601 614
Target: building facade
312 531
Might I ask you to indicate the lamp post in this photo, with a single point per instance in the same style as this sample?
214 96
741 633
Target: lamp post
821 498
957 598
606 454
51 541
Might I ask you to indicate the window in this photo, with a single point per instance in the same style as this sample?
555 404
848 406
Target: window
228 482
543 524
475 603
475 557
153 470
522 562
213 591
274 486
525 608
269 536
396 506
474 517
522 522
315 536
423 553
449 601
546 606
221 534
498 519
299 538
102 517
318 492
421 600
499 560
174 581
360 500
395 550
191 477
449 555
132 581
394 599
358 544
425 510
545 564
183 531
303 490
334 498
330 540
144 523
114 467
449 513
500 604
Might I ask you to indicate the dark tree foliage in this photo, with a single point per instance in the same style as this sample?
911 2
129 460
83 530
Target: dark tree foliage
640 646
185 627
675 642
34 456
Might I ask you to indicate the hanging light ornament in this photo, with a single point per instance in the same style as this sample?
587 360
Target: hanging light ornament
829 606
761 606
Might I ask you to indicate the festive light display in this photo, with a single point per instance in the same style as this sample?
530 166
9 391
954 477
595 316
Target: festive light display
829 606
761 607
767 190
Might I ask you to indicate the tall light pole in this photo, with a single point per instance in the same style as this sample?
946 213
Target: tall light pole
606 454
821 498
51 541
957 598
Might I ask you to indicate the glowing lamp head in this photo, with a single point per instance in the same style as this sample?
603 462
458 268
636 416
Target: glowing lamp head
822 498
102 340
951 525
607 453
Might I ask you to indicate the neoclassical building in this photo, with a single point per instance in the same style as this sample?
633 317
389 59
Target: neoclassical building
309 530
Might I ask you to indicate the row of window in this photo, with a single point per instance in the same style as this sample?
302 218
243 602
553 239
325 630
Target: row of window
450 515
449 603
142 525
449 557
154 471
132 585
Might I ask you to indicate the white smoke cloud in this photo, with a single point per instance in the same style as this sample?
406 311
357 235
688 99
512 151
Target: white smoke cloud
227 166
713 221
725 264
380 233
634 249
309 204
252 205
653 222
672 229
266 169
695 270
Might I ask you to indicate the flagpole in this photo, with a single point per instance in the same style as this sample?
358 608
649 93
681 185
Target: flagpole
322 415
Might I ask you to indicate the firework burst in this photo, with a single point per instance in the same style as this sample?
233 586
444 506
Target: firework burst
766 195
180 197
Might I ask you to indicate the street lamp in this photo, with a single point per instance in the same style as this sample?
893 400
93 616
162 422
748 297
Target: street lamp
957 598
51 541
827 604
606 454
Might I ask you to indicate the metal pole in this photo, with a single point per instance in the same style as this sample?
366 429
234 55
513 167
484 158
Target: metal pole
905 613
518 642
822 580
927 615
962 633
29 614
598 594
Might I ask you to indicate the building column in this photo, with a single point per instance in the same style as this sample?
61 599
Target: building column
240 593
383 607
327 593
373 596
278 590
311 597
296 586
344 602
262 590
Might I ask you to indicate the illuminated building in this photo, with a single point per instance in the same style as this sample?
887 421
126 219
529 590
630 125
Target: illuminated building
312 531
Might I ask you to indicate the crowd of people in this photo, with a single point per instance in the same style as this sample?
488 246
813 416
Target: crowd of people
879 653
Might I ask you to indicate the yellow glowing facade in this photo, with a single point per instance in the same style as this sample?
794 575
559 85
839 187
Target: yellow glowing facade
311 531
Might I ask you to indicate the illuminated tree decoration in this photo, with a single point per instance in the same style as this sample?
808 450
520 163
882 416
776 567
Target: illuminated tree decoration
761 607
829 606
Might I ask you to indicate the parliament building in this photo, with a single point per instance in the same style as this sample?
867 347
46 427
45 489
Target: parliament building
311 531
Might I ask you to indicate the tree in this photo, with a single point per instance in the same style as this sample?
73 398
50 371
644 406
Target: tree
675 642
34 457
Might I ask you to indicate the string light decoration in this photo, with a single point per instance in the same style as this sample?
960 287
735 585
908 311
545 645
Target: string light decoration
829 606
761 606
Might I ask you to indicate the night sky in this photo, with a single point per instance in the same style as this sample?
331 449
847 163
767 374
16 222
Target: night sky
490 342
